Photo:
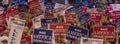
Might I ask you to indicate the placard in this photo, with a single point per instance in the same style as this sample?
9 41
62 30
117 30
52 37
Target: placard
69 18
95 16
116 7
117 22
49 7
33 4
37 21
23 8
59 30
84 19
115 15
75 33
101 32
17 26
23 1
91 41
46 21
15 2
42 36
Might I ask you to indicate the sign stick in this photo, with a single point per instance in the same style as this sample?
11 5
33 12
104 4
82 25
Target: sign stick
117 36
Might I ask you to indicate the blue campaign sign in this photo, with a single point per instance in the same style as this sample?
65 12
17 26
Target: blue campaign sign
49 6
84 19
117 22
46 21
15 2
42 36
75 33
75 9
23 1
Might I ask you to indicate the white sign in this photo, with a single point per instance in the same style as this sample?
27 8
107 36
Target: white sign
17 26
37 21
91 41
116 7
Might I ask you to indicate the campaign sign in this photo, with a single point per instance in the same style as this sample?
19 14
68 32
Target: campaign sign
23 1
91 41
116 7
101 32
69 18
59 30
95 16
37 21
17 26
23 8
75 33
115 15
33 4
15 2
42 36
84 19
46 21
49 7
117 22
75 9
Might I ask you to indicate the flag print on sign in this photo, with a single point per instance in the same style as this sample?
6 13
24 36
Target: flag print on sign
59 30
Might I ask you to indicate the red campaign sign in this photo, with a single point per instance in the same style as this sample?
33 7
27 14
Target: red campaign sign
26 39
100 32
69 18
115 15
33 4
59 30
95 16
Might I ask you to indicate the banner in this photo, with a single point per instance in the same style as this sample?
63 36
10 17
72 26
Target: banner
37 21
42 36
91 41
46 21
17 26
95 16
59 30
107 32
75 33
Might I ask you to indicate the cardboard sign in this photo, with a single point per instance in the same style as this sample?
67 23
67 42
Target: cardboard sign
91 41
75 33
84 19
49 7
101 32
115 15
95 16
59 30
33 4
42 36
23 8
116 7
69 18
46 21
15 34
117 22
37 21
